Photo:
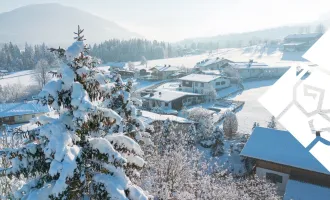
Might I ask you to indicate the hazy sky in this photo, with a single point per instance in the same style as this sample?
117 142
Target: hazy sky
173 20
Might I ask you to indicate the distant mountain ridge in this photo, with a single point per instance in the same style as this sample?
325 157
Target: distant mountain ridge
54 24
242 39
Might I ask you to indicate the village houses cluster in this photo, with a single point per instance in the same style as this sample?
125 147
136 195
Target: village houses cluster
214 79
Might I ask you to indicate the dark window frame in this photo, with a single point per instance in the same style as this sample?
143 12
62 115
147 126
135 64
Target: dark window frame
275 178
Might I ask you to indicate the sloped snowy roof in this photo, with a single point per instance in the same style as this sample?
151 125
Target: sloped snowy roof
305 191
117 64
204 78
280 147
294 43
254 65
166 68
149 117
307 35
211 61
16 109
168 95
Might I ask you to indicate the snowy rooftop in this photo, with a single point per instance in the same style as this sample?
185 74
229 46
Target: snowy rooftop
300 36
280 147
15 109
168 95
117 64
255 65
305 191
149 117
294 43
166 68
200 78
210 61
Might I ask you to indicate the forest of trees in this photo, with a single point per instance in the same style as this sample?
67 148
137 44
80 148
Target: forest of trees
14 59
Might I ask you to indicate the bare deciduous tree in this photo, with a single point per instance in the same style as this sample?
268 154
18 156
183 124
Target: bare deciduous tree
41 72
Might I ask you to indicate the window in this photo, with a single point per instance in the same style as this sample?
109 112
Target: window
187 82
275 178
217 83
166 104
33 116
223 82
20 117
6 118
202 84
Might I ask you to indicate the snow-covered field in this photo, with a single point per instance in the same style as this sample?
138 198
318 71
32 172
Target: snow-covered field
253 111
22 77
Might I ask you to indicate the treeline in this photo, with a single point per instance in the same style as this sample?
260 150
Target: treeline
132 50
14 59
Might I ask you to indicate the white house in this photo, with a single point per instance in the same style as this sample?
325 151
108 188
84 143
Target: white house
280 158
16 113
201 83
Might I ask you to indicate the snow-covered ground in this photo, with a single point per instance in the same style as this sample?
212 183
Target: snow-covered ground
22 77
252 111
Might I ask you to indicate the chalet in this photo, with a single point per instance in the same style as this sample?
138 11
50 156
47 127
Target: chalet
117 65
171 100
126 73
300 42
280 158
201 83
150 118
16 113
212 63
253 70
165 72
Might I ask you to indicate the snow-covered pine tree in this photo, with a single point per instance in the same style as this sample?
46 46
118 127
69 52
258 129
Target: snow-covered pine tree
87 151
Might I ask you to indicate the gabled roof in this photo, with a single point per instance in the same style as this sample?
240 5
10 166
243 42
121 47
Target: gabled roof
204 78
305 36
282 148
168 95
210 61
166 68
17 109
149 117
117 64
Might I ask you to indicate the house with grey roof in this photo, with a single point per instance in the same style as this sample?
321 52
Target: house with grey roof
16 113
281 159
170 100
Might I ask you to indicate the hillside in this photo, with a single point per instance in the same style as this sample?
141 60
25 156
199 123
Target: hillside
42 22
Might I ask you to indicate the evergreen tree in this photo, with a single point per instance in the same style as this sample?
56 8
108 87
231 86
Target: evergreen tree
88 151
272 123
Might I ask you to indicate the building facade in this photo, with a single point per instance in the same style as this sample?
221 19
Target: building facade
17 113
202 83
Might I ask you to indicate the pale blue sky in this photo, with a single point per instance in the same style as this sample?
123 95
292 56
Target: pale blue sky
173 20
